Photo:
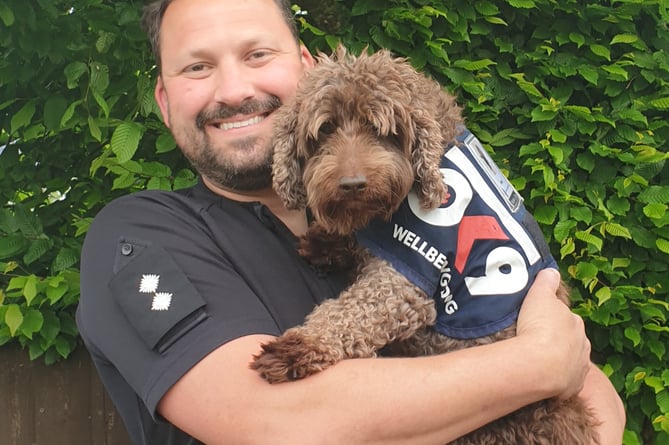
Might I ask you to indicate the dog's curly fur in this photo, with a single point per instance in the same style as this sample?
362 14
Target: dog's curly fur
359 135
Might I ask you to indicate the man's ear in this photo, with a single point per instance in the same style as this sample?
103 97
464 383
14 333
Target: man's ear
307 59
160 94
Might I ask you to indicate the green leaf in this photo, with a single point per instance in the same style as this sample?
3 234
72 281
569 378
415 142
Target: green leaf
125 140
35 350
496 21
124 181
603 295
13 318
104 106
589 73
53 112
17 282
567 248
11 245
104 41
159 184
590 239
657 348
586 271
51 326
99 77
66 258
655 210
583 214
156 169
580 112
563 229
577 38
617 72
486 8
474 65
63 347
601 51
616 229
30 289
545 214
662 245
624 38
69 113
73 73
655 194
660 104
631 438
538 115
185 178
633 334
586 161
662 399
6 15
54 292
655 383
37 249
94 129
165 143
23 117
528 87
526 4
28 222
32 322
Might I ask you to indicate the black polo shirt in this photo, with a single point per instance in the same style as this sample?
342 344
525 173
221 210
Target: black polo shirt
167 277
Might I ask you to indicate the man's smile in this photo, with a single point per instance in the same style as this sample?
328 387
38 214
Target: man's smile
239 124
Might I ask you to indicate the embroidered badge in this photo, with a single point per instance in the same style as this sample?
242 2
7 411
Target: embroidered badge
149 285
161 301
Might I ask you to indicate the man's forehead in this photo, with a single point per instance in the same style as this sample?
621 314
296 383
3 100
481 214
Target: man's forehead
238 20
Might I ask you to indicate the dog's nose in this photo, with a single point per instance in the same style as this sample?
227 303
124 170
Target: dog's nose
353 184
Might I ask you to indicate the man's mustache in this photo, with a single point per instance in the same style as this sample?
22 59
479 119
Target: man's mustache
249 107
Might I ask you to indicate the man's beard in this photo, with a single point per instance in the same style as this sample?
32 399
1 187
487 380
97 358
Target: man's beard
205 160
244 179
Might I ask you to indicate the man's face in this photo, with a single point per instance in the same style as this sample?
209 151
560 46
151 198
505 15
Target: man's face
226 66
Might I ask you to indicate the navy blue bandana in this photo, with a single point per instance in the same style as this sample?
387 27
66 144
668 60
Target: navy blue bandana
477 254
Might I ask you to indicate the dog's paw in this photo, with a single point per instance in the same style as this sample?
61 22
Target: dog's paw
292 357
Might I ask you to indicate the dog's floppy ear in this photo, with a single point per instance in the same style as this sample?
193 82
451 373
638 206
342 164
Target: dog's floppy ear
286 168
425 132
425 158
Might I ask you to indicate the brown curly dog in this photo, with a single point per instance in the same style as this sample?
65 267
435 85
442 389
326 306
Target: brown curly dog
362 134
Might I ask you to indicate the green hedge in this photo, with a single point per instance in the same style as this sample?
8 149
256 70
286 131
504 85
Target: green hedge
570 97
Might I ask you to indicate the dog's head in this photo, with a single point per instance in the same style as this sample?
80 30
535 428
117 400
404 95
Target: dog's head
358 135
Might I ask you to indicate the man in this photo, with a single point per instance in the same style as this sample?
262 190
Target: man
179 290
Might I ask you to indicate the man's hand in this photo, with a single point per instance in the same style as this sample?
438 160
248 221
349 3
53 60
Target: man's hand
557 334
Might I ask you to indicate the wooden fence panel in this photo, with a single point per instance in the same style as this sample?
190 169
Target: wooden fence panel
64 403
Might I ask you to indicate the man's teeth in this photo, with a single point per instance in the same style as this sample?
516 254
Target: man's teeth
240 124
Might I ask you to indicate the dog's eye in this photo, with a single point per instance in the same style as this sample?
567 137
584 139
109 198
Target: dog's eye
326 129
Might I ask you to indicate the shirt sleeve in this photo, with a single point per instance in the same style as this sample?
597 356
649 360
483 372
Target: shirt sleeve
158 293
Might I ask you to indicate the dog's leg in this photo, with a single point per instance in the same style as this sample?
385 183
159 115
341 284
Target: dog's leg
379 308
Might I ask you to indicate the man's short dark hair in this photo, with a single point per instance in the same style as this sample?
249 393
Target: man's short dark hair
154 12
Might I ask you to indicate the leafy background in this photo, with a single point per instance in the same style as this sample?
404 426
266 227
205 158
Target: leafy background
570 97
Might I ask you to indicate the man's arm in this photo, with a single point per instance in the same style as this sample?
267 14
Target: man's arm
599 393
424 400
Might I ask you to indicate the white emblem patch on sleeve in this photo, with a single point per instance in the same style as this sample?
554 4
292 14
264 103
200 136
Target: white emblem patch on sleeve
161 301
149 283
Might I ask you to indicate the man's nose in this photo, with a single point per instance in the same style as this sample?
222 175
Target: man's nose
233 85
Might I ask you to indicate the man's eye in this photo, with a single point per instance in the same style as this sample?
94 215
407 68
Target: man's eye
259 54
196 68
